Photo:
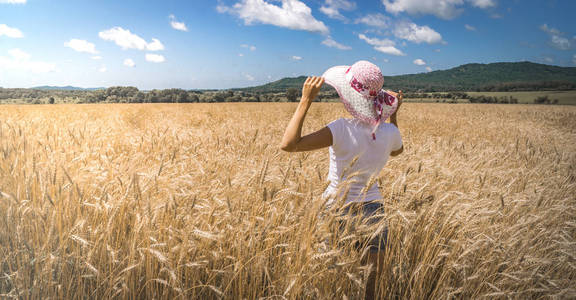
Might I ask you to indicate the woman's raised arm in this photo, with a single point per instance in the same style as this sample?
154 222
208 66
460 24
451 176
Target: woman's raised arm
292 141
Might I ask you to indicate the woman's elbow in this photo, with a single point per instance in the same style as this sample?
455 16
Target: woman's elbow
397 152
288 147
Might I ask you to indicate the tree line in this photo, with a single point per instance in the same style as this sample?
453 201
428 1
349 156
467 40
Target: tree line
130 94
409 86
453 97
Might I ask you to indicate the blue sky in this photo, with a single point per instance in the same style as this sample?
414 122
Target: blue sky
235 43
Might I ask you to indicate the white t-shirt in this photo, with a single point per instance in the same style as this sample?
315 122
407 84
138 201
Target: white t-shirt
350 139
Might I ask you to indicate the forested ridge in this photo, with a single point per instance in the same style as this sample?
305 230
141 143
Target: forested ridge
494 77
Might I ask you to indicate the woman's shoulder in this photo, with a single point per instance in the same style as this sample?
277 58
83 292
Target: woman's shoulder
342 125
349 123
341 121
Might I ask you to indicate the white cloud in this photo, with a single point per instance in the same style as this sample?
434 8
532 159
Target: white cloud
556 38
548 59
155 58
13 1
332 12
428 69
293 14
240 54
81 46
127 40
417 34
560 43
574 59
333 44
221 8
249 77
252 48
403 29
332 8
374 20
545 28
419 62
20 60
469 27
483 3
102 69
376 42
129 62
294 57
177 25
155 45
96 57
444 9
10 32
385 45
390 50
19 55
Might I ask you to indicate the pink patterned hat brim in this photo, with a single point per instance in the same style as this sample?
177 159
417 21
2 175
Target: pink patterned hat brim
359 106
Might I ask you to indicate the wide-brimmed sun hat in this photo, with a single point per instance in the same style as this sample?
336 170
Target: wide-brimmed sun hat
360 89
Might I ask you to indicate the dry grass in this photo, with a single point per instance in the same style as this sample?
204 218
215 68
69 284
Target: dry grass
196 201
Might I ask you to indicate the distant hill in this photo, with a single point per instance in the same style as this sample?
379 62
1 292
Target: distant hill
66 88
279 85
515 76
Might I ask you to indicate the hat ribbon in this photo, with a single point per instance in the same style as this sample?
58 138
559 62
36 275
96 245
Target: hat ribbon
379 101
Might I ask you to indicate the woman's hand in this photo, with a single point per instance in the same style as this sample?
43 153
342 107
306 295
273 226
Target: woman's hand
311 88
394 120
400 97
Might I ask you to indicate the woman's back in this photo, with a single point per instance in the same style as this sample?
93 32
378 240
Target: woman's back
355 156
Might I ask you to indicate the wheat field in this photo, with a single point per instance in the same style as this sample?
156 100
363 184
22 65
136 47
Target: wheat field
191 201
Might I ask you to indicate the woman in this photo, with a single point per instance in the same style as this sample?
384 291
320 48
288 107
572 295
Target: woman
359 147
